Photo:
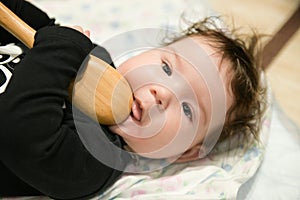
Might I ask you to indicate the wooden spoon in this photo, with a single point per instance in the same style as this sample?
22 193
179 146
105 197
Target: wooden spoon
102 92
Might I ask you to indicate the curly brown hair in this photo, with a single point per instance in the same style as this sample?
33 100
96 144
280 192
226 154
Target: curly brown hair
243 52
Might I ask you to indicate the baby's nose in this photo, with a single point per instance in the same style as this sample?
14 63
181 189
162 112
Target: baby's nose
161 95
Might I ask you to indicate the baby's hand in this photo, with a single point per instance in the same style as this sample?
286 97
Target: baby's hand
80 29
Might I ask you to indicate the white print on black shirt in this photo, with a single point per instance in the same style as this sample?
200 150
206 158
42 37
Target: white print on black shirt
10 55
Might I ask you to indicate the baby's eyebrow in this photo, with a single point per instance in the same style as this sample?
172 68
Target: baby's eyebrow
174 53
171 50
178 57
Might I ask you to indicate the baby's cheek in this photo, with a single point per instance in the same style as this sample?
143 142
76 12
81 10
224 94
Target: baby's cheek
172 127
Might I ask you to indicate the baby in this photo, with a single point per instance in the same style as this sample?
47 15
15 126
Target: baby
199 89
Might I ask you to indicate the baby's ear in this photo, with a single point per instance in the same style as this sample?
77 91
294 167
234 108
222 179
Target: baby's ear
190 155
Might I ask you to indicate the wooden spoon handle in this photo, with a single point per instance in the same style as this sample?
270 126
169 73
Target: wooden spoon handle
13 24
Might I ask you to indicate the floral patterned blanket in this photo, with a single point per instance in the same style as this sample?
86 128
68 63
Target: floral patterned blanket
218 176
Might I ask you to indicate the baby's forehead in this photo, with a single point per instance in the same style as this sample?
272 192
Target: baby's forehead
195 45
198 51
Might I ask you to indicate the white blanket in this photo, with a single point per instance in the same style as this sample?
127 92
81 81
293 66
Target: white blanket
221 175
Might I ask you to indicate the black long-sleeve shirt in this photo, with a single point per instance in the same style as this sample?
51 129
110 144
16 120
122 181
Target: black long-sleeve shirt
39 142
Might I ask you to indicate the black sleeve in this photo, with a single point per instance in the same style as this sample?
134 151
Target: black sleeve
36 139
30 14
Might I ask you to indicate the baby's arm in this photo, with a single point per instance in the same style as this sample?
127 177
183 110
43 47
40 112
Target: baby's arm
38 139
37 142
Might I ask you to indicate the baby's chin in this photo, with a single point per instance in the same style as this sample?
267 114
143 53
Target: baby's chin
114 129
121 69
120 129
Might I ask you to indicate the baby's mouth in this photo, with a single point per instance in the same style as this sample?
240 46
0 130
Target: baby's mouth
136 110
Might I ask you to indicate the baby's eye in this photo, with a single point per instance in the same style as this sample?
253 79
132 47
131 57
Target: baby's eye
187 110
166 69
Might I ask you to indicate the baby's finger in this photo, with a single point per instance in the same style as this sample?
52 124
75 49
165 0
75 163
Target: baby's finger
87 33
78 28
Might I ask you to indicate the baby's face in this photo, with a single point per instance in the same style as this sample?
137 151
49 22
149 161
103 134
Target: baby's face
172 106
